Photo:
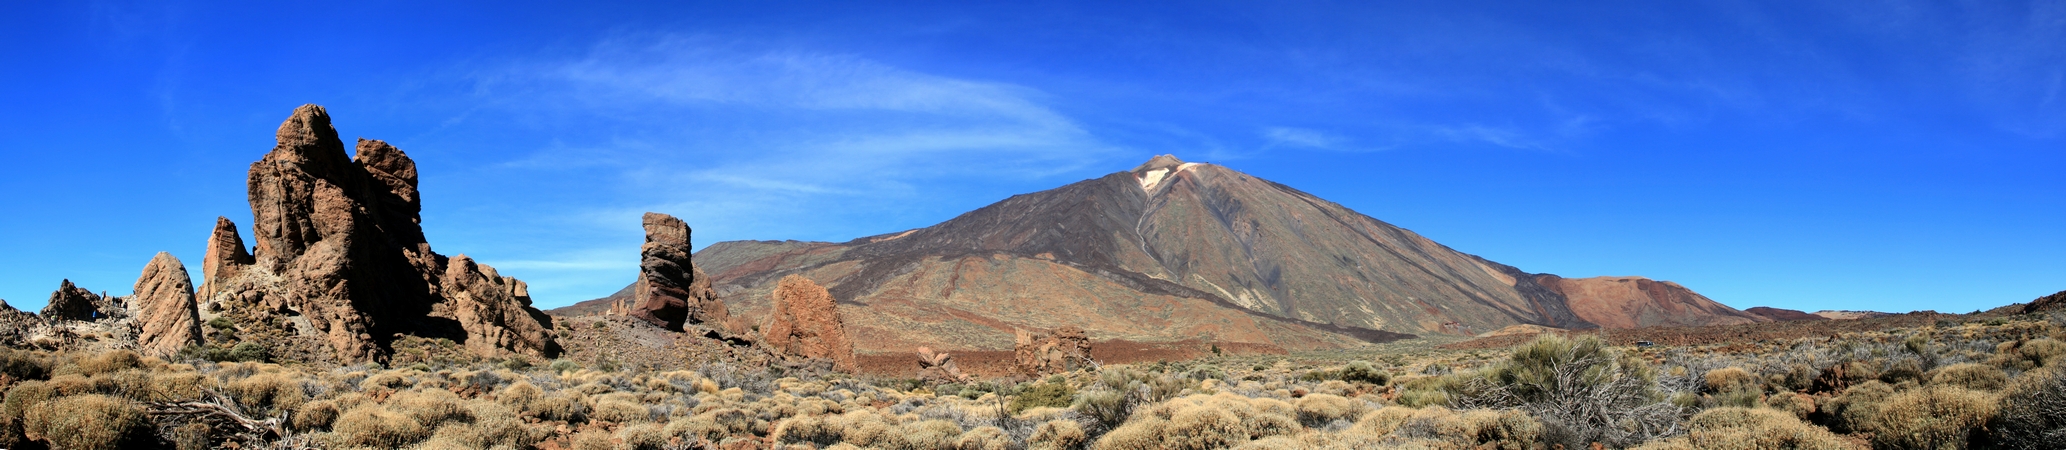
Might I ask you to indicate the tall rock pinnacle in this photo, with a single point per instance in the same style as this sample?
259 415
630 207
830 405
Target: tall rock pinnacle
671 291
167 317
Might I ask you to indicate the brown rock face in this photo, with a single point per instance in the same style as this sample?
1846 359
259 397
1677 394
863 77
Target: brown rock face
1634 302
225 255
71 302
167 317
339 245
806 323
671 290
1040 352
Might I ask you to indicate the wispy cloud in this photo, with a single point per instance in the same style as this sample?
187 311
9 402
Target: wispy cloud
1300 137
750 142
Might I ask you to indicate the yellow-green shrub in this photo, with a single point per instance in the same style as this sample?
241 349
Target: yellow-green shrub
1730 379
315 415
1058 435
89 421
1731 428
1970 376
1858 409
807 429
374 426
1318 409
1934 417
984 438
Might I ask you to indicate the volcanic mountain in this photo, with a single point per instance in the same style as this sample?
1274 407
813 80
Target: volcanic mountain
1173 251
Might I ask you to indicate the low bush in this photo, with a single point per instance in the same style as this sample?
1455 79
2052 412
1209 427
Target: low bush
1051 395
2033 411
1732 428
1970 376
1058 434
1934 417
89 421
373 426
1581 389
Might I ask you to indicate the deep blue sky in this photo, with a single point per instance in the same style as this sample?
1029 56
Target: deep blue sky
1878 155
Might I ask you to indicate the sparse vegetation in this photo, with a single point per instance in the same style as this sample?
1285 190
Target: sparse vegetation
1959 384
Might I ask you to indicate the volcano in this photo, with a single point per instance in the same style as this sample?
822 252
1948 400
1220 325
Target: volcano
1174 251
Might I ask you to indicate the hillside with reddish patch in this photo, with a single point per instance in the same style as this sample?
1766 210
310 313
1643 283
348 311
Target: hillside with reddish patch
1781 314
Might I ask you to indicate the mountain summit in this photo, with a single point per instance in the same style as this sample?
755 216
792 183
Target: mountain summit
1175 250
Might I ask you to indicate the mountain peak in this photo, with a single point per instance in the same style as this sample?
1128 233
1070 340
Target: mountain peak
1159 162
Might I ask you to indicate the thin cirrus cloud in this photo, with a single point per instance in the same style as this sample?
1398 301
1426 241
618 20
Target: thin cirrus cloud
753 143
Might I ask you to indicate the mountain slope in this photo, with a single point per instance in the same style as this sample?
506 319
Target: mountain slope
1168 251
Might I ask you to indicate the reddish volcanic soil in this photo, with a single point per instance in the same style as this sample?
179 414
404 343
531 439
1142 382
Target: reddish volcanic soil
999 363
1728 334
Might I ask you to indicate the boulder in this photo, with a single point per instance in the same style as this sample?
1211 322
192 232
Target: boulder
167 317
938 367
1043 352
805 323
495 310
671 291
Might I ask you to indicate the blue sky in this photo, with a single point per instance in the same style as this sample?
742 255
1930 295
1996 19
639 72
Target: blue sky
1878 155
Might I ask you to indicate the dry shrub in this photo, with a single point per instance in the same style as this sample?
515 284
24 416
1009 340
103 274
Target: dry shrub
2033 410
19 399
430 407
312 416
89 421
1203 427
984 438
178 386
1441 427
807 429
1581 389
592 439
865 427
620 409
1935 417
1144 433
519 395
562 406
696 428
1387 419
109 362
494 425
1732 428
1058 435
644 436
925 434
1970 376
387 380
1317 410
374 426
270 393
192 436
1799 405
1858 409
1730 379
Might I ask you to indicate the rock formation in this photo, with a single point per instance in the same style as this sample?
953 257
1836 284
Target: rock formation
671 291
340 249
938 367
71 302
167 318
1043 352
806 323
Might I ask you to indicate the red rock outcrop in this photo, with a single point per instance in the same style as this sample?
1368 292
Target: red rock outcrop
225 255
70 302
806 323
1782 314
1043 352
1634 302
340 246
167 318
671 291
